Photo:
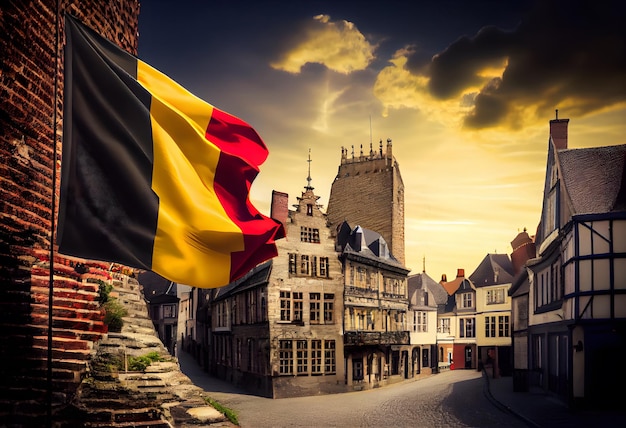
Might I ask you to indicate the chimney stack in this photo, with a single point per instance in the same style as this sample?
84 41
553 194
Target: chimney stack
280 207
460 273
558 132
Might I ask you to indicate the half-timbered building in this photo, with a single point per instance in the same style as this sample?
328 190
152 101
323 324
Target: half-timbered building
577 282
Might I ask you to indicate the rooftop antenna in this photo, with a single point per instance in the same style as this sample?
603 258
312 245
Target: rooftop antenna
370 130
308 179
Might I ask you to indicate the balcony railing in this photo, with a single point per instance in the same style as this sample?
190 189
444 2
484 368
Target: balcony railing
376 338
361 292
393 296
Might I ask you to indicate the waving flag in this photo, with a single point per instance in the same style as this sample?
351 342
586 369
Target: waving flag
153 177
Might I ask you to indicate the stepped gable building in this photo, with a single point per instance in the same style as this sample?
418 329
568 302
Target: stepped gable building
368 191
576 301
375 317
278 331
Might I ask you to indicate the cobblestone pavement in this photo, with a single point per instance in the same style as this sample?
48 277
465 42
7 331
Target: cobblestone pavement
449 399
459 398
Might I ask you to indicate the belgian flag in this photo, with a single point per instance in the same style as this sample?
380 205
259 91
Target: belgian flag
153 177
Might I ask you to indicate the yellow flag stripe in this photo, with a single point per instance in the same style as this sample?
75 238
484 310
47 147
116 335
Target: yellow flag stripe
194 235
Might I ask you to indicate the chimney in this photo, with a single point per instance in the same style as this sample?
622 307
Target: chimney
558 132
280 207
460 273
444 278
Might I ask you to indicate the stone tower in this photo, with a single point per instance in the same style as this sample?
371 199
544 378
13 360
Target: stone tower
368 191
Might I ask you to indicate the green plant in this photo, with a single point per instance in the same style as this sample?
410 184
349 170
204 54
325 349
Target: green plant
114 312
104 290
230 414
140 363
154 356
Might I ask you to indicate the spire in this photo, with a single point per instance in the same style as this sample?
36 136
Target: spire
308 179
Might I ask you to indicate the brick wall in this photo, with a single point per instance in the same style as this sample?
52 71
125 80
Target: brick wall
27 48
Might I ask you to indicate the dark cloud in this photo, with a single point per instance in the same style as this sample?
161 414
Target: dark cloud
563 52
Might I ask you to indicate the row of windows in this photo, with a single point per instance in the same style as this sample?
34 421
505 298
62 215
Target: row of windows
303 358
307 265
245 308
292 307
494 326
246 354
501 328
375 319
548 286
362 277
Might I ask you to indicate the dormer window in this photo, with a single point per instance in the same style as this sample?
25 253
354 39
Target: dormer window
467 301
309 209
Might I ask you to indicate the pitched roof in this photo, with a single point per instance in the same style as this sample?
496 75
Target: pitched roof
594 178
494 269
423 281
366 243
155 285
259 275
452 286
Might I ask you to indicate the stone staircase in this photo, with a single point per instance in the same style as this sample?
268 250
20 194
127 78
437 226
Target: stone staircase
160 396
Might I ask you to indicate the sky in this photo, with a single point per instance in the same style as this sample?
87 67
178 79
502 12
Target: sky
464 89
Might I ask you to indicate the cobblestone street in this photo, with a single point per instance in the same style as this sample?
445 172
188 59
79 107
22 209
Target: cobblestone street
448 399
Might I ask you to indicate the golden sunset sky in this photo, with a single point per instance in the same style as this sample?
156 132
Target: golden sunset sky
464 89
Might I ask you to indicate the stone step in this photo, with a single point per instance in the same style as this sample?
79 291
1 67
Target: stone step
138 321
146 417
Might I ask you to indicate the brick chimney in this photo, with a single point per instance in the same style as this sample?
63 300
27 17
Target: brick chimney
460 273
280 207
558 132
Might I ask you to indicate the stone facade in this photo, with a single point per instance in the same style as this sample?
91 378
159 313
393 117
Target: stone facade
307 343
368 191
278 331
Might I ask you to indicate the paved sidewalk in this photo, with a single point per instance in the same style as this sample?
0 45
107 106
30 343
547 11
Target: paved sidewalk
540 409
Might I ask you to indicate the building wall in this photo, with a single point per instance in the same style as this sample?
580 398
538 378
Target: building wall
27 75
484 309
368 191
306 218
